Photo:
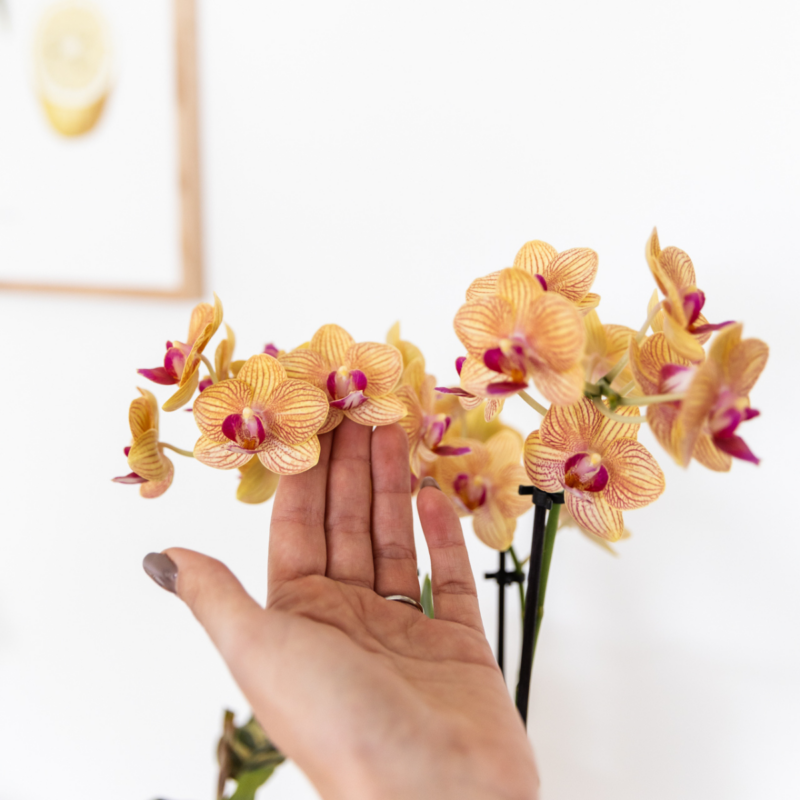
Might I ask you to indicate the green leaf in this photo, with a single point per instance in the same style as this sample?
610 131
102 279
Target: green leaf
249 782
427 596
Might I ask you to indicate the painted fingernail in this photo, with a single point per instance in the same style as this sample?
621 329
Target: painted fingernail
430 482
162 570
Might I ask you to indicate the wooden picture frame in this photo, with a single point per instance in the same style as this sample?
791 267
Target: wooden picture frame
188 183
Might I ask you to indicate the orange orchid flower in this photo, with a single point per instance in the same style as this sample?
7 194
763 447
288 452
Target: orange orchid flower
182 360
484 483
260 412
521 333
717 401
152 470
570 274
424 424
358 379
605 346
597 462
681 319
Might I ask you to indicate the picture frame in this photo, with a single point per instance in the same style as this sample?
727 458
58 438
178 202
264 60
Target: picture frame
177 266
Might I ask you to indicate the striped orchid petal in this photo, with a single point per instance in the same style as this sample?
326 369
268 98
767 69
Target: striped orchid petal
380 364
220 456
289 459
145 458
217 403
595 514
263 374
635 479
384 410
332 343
298 411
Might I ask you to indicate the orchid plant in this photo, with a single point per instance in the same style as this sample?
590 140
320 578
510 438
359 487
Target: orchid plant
532 324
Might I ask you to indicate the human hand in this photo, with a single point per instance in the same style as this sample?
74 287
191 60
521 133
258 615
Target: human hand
369 697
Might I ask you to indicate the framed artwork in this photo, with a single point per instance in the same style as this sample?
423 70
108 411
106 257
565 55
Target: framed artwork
99 148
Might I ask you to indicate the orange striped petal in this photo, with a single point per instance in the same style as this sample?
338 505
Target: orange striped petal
236 366
504 448
695 408
572 273
427 395
475 377
213 454
409 351
264 374
412 422
143 414
306 365
145 458
519 288
258 484
635 479
335 416
554 328
474 463
561 388
596 515
378 411
678 267
710 456
681 340
652 252
470 403
332 343
414 374
298 409
505 491
494 405
609 430
572 428
217 402
491 528
381 363
662 420
479 324
184 394
746 363
483 287
289 459
657 323
224 354
205 315
534 257
544 465
153 489
589 301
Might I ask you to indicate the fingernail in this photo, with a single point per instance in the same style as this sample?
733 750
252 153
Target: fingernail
430 482
162 570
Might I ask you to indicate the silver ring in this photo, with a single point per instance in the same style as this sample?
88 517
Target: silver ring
410 601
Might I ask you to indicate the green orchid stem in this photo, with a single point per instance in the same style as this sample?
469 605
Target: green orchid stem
532 403
212 373
547 556
520 586
607 412
187 453
652 399
628 388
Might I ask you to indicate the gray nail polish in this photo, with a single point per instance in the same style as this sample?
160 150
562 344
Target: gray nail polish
162 570
430 482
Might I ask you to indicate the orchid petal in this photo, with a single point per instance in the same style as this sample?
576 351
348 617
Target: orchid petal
263 374
476 376
469 402
609 430
491 528
414 374
518 288
709 455
130 479
572 273
483 287
635 479
695 408
145 457
681 340
662 421
746 363
378 411
494 405
224 354
534 257
589 301
447 451
220 456
554 329
737 447
153 489
480 324
184 394
210 317
505 492
143 414
596 515
306 365
218 402
332 343
299 410
258 484
335 416
504 448
381 363
561 388
505 388
412 422
572 428
289 459
544 465
678 267
158 375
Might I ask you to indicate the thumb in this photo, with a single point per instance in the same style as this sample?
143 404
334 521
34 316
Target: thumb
232 619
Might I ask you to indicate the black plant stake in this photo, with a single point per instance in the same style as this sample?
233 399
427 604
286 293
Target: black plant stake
543 502
503 578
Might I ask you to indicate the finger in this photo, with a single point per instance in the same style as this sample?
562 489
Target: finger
297 529
232 619
454 595
393 552
347 515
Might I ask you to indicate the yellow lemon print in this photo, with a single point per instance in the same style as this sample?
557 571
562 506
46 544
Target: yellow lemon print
72 57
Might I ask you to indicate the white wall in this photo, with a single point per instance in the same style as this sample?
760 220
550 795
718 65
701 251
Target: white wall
363 162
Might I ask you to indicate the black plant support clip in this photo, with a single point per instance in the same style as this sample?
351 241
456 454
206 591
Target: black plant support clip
545 500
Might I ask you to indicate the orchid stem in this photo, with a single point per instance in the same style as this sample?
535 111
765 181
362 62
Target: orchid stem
547 557
532 403
607 412
187 453
629 387
520 585
652 399
212 373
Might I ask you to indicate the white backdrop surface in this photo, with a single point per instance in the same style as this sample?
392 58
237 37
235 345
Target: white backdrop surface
363 162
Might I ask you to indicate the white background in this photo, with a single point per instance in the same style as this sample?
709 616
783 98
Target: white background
363 163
